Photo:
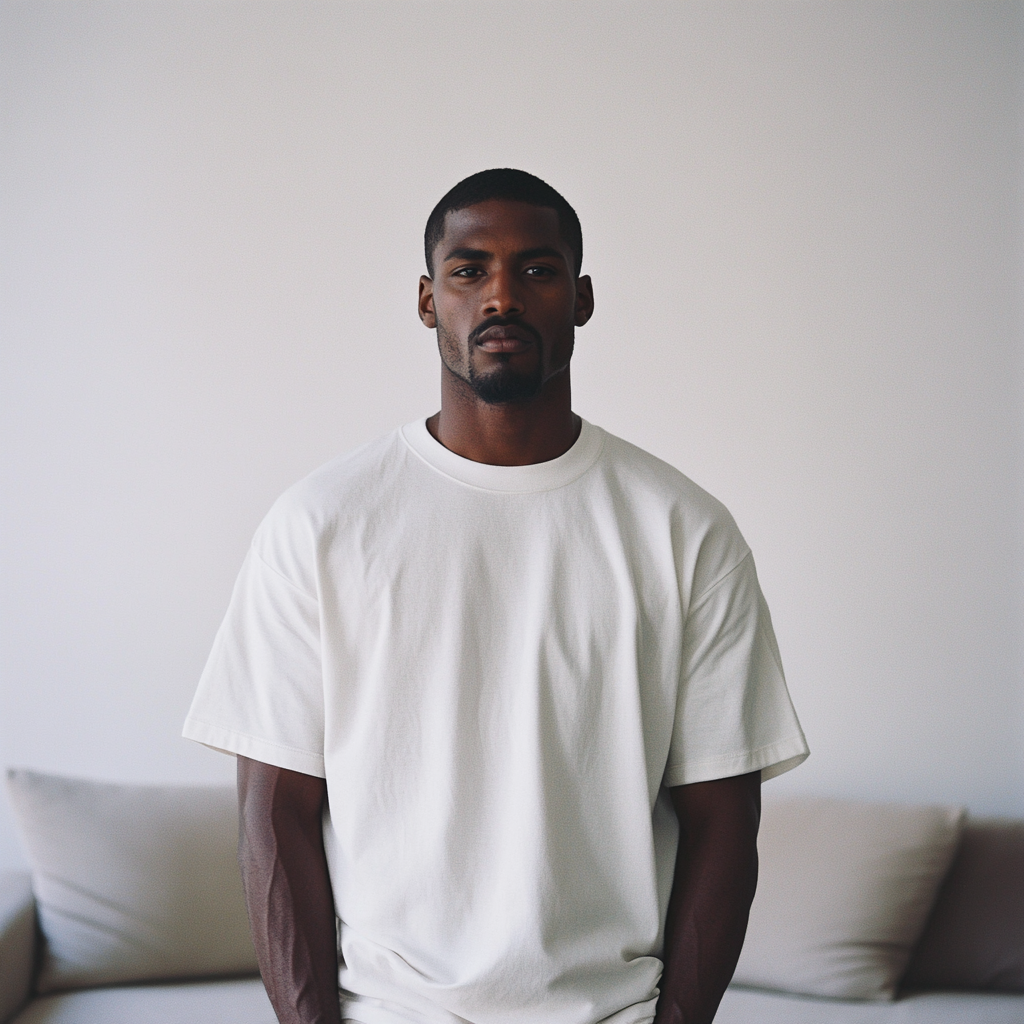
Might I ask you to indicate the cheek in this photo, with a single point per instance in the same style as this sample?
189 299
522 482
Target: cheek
562 329
454 320
449 345
448 318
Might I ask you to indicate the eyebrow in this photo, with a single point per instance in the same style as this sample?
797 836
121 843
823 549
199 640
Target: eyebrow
541 250
468 254
527 254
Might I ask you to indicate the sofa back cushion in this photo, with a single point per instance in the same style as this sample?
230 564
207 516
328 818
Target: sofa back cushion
133 883
975 936
844 891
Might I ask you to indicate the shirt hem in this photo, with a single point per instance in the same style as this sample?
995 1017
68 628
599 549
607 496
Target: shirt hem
772 759
227 741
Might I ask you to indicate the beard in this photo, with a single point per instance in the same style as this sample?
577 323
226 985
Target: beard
502 384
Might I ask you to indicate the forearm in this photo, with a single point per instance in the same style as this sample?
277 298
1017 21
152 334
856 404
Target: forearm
715 880
288 893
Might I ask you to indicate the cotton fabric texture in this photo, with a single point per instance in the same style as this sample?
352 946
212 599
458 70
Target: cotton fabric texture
498 670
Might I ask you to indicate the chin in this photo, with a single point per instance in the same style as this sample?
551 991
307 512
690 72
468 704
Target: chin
503 387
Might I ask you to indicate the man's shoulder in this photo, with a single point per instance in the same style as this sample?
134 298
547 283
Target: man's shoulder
347 482
653 479
706 541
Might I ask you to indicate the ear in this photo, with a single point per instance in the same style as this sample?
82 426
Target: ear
584 301
426 303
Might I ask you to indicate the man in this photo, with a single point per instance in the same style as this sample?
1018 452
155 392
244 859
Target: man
502 687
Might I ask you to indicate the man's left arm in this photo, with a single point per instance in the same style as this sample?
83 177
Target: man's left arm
714 883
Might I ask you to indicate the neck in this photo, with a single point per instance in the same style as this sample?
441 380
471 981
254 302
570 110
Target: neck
513 434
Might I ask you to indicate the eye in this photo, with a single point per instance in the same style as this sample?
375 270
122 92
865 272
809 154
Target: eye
467 272
539 270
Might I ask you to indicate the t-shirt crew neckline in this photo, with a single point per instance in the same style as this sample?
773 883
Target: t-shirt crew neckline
541 476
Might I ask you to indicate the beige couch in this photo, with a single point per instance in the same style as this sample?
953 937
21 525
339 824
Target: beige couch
866 913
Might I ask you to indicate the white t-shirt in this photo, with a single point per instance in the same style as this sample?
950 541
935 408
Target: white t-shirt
498 670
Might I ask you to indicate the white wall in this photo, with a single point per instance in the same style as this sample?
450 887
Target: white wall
803 221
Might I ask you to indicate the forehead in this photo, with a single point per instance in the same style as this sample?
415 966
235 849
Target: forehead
501 226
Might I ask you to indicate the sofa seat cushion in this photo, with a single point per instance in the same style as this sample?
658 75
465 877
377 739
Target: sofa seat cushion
756 1006
235 1001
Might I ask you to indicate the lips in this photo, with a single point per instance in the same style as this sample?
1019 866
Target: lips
505 338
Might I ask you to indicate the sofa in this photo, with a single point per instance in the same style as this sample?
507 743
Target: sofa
865 914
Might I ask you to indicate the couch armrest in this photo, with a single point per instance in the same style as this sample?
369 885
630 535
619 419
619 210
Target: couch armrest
17 941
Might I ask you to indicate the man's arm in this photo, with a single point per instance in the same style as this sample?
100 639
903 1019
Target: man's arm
288 890
715 879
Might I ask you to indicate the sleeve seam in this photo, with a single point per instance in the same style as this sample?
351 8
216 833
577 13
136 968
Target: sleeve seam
281 575
697 601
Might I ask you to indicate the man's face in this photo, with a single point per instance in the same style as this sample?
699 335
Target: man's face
505 299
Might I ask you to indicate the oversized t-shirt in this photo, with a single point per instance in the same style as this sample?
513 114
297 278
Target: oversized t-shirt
499 670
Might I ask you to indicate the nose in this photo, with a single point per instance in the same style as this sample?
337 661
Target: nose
502 297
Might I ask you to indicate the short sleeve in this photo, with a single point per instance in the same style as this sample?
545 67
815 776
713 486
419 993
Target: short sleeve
261 693
733 711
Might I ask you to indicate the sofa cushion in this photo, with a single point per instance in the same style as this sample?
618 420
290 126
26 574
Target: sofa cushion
17 940
844 891
212 1002
133 883
975 936
751 1006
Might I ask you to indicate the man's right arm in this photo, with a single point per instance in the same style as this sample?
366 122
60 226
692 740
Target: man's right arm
288 890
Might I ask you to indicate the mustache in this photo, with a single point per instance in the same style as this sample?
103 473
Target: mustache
503 321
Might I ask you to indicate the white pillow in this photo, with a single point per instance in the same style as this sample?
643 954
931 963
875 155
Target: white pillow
844 891
133 883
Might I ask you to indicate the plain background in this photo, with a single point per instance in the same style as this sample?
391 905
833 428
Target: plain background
803 221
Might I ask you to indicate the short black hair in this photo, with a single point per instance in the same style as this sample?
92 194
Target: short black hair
503 183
